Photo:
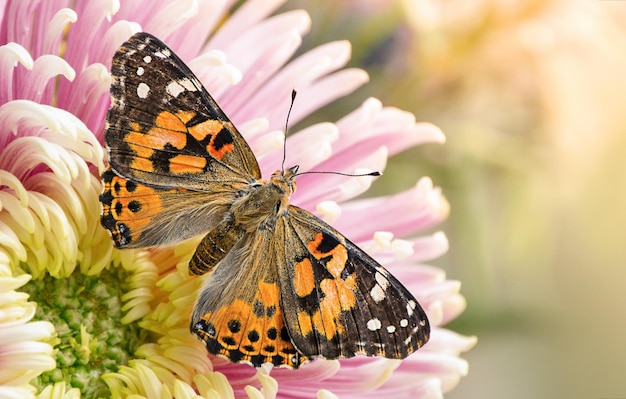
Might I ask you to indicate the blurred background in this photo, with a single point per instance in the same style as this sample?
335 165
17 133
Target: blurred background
532 98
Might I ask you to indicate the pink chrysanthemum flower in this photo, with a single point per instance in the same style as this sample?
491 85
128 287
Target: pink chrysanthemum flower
118 320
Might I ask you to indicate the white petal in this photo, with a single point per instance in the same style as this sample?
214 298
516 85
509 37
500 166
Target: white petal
55 28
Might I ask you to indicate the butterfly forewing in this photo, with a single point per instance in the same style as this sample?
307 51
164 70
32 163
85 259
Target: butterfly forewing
177 158
340 302
163 127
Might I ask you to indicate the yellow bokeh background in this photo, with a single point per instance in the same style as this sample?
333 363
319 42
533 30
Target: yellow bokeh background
532 98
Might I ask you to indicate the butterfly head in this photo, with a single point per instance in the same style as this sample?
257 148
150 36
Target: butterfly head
286 179
264 201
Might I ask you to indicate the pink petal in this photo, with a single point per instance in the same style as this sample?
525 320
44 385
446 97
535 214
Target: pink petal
416 209
11 55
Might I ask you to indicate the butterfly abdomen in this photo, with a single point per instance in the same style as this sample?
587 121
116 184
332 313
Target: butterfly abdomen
215 245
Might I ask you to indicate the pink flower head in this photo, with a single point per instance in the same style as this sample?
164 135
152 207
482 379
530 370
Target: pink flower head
54 63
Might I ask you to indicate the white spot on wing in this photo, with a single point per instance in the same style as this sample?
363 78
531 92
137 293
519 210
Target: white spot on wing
188 84
142 90
377 293
374 324
163 53
140 71
404 323
174 88
382 280
410 306
147 59
391 329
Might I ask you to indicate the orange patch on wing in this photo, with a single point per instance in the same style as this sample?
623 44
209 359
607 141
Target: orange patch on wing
139 139
220 143
338 261
338 292
314 245
140 143
221 153
185 116
305 322
338 296
134 208
142 164
187 164
141 151
268 293
169 130
169 121
324 320
304 279
339 255
217 147
239 311
253 328
134 126
329 314
207 128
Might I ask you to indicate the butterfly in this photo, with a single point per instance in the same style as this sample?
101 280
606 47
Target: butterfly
285 287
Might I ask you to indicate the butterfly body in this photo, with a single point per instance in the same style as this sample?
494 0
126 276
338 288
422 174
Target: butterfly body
285 287
255 209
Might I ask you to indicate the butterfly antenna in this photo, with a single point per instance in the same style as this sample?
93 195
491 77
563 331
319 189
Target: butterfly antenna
293 98
313 172
282 168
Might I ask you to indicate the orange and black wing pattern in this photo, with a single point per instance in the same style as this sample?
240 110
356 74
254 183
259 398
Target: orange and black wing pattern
163 127
176 160
338 301
238 314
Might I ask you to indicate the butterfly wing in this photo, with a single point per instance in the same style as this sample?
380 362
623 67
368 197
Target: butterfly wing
164 129
337 300
238 313
299 291
176 160
138 215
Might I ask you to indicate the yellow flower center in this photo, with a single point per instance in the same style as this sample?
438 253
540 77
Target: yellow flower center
91 339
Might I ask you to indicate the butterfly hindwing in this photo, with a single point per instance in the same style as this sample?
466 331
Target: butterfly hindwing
238 314
138 215
163 127
338 301
300 290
